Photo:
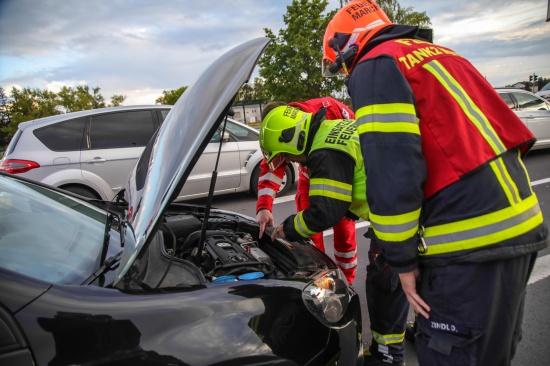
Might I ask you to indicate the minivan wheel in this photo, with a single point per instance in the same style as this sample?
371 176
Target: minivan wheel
82 191
285 186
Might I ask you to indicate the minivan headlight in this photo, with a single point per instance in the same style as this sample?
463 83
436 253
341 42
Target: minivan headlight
327 297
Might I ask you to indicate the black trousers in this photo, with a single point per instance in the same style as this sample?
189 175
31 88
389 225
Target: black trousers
388 308
476 312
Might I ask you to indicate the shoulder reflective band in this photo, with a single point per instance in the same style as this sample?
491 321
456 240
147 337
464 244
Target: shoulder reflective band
470 109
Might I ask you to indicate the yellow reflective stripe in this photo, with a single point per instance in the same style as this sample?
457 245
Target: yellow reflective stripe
388 338
395 228
330 188
470 109
301 227
484 230
524 170
388 128
508 185
390 117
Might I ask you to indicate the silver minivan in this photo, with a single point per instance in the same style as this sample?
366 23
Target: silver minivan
91 152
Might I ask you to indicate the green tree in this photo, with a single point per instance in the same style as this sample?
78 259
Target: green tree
246 92
404 15
259 89
5 120
253 91
117 100
170 96
291 64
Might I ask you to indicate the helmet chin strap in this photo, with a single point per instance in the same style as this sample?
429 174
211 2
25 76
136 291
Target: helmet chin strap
341 58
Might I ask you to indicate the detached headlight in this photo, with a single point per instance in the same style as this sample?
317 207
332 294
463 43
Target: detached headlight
327 297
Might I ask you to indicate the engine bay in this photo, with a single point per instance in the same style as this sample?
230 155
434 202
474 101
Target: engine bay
227 249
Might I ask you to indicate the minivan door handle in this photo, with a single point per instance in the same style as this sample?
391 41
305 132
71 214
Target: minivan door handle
97 159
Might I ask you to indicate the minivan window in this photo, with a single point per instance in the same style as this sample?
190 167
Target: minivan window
530 102
125 129
62 136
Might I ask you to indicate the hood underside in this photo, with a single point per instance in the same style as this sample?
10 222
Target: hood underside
169 158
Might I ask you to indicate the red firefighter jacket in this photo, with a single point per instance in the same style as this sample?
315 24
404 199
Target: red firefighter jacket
443 157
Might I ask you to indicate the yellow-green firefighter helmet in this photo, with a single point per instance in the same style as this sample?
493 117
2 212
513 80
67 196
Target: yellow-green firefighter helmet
284 130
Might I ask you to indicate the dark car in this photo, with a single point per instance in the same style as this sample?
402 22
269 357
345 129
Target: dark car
142 280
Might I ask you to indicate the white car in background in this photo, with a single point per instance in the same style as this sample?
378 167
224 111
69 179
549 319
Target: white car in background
544 92
533 111
91 153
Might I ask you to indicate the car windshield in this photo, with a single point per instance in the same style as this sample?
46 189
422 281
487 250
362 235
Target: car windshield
49 235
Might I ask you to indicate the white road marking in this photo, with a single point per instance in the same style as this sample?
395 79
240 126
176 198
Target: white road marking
541 181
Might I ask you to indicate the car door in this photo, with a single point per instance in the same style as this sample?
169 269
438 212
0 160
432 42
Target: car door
114 142
229 167
535 112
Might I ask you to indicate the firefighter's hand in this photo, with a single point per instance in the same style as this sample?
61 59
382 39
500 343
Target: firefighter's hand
264 217
278 231
408 282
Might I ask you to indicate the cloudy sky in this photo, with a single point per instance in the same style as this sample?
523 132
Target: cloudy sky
139 48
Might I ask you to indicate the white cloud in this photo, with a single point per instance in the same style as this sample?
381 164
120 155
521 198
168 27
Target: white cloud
139 49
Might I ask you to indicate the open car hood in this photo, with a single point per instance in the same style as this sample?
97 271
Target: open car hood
169 158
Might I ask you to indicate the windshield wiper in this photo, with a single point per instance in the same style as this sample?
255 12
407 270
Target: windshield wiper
106 266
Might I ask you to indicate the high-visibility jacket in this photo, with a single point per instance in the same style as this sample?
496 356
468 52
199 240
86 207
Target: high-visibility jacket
337 179
270 181
444 157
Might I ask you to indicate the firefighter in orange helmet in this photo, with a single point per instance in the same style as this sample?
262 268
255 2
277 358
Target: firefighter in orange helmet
450 199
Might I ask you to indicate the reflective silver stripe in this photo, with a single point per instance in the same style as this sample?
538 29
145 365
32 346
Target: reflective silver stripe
388 339
481 231
504 175
330 188
349 265
387 117
460 94
395 229
272 177
299 226
267 192
349 254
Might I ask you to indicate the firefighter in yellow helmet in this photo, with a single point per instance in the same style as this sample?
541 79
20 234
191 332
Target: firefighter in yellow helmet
330 150
449 197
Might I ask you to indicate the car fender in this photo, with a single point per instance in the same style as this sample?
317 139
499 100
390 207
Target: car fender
74 176
253 161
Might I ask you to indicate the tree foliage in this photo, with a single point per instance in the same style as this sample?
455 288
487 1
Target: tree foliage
253 91
5 119
170 96
291 64
404 15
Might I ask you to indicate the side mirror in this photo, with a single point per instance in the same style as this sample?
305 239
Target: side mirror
226 137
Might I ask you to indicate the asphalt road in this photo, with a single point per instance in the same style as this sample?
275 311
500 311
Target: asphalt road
534 349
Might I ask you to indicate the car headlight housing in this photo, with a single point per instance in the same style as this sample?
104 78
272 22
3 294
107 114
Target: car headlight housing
327 297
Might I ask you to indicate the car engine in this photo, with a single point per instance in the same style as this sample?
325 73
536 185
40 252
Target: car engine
230 250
